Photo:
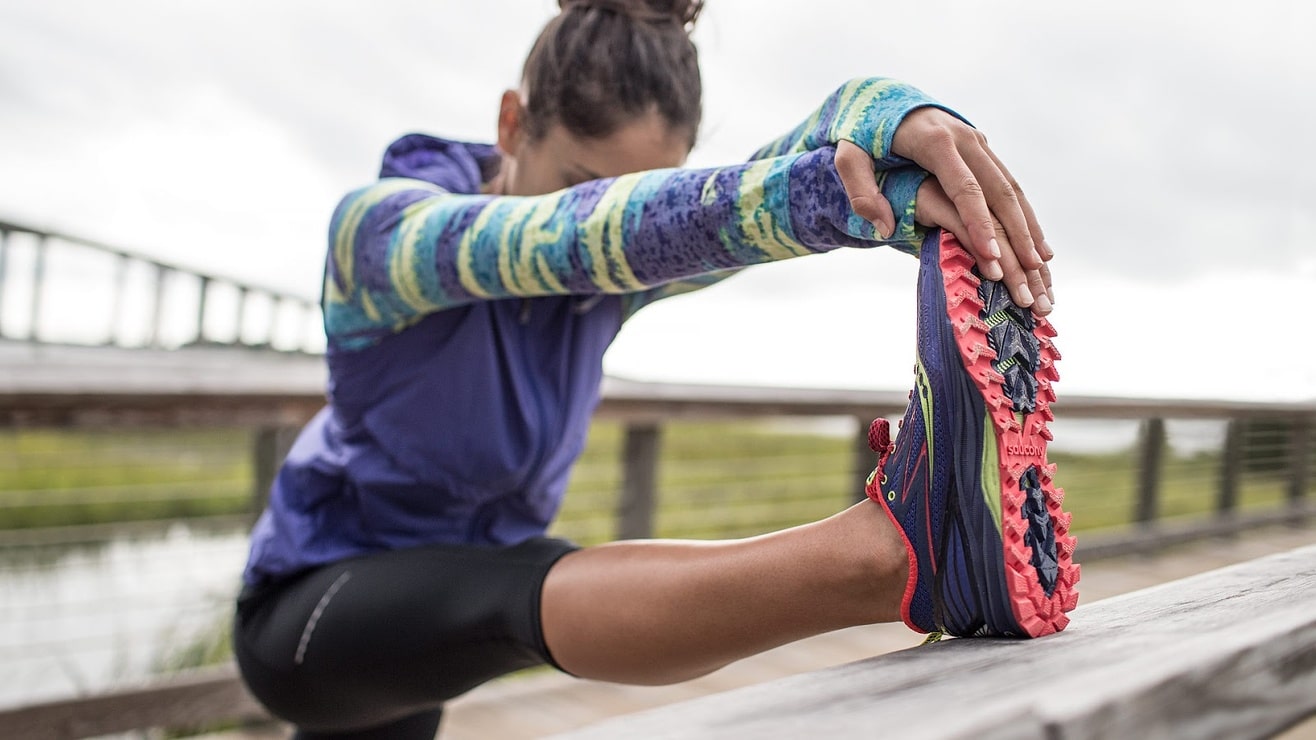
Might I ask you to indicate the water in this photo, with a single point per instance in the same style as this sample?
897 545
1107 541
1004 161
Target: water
86 618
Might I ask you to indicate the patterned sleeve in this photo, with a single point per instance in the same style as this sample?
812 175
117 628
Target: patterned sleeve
401 249
865 111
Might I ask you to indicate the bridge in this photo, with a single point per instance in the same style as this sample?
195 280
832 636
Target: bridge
244 358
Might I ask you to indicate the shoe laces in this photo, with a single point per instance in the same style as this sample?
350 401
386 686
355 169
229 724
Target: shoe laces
879 439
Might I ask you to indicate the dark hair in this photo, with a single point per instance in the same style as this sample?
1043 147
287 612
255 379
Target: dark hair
602 63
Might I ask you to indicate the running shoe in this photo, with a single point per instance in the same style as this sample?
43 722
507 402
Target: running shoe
967 480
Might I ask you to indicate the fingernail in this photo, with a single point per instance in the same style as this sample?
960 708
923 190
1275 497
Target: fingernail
883 230
994 248
993 271
1047 251
1051 294
1043 304
1025 295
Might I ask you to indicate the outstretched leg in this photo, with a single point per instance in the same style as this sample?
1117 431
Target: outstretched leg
662 611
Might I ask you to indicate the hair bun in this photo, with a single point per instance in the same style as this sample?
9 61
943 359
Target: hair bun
682 12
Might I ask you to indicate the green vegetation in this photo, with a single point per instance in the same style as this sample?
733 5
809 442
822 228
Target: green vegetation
56 478
716 479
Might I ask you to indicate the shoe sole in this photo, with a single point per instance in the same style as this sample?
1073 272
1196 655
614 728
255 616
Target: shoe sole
1008 356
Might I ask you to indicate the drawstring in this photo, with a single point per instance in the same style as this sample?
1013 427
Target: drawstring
582 306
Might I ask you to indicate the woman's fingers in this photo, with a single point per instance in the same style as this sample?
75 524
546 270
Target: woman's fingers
1027 287
860 181
933 208
1004 198
986 196
935 149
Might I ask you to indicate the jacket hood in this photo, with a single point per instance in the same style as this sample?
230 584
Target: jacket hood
455 166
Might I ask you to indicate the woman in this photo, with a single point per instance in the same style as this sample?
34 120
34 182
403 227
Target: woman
469 296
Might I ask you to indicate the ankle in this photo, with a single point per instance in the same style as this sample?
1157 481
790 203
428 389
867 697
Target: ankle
879 561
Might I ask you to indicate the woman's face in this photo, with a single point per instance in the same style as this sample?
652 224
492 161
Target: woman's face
561 159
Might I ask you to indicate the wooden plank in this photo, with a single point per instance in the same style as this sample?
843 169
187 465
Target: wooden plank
188 701
1227 654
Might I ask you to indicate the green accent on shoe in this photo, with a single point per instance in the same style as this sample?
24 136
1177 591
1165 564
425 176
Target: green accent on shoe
998 318
924 388
991 479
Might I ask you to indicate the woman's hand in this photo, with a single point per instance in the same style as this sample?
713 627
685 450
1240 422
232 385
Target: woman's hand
934 208
987 207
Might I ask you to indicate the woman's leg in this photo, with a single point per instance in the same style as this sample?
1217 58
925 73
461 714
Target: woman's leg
372 646
661 611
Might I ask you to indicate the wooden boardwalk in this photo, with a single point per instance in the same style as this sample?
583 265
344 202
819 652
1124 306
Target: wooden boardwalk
545 703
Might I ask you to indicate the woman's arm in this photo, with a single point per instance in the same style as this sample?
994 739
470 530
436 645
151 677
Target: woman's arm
866 111
400 249
877 123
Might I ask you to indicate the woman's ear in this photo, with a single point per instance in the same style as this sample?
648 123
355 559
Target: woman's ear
510 131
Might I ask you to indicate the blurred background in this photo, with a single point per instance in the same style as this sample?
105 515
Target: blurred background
1162 144
167 171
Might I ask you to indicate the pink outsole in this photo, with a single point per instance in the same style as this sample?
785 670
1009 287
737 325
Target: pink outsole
1020 446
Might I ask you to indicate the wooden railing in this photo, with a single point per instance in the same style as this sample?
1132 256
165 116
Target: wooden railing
41 247
274 393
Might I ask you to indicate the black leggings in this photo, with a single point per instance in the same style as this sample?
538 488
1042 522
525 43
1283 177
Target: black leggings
372 646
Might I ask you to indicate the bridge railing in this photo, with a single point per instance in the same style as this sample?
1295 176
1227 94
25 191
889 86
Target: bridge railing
272 394
61 288
1252 467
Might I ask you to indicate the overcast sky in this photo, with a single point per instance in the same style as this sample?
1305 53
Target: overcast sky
1165 145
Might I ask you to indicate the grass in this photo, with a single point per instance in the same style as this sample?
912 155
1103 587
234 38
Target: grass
715 479
58 478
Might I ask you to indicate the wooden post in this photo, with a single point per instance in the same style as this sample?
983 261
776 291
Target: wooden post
4 258
242 314
116 311
38 288
1300 451
1152 446
276 304
1231 461
639 494
201 309
157 308
271 445
311 329
864 458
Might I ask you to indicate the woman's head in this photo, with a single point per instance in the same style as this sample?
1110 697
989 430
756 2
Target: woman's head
610 86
